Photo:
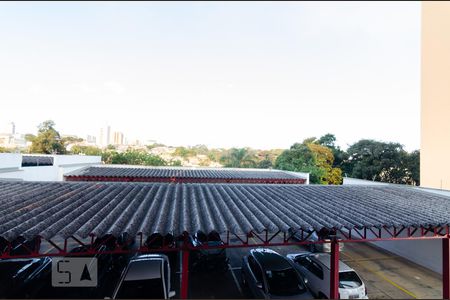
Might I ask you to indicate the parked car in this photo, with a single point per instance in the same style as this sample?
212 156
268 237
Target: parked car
157 241
146 277
211 259
23 277
269 275
316 268
314 237
21 246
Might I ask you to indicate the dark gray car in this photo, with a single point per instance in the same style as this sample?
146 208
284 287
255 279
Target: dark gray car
269 275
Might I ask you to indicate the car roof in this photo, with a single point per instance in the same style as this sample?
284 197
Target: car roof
149 256
325 259
270 260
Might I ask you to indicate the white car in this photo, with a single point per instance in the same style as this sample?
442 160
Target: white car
316 268
146 277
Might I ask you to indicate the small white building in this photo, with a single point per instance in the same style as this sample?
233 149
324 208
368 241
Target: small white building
41 167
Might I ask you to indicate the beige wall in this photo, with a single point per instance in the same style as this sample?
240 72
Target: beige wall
435 118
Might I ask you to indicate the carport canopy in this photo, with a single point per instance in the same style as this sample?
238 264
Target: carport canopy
64 209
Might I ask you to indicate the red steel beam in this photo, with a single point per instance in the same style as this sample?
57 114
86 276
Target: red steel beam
446 268
240 243
334 270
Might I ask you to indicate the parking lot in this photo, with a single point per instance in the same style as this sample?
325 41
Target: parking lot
387 276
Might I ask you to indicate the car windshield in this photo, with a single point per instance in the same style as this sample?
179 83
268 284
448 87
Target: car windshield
349 280
141 289
284 282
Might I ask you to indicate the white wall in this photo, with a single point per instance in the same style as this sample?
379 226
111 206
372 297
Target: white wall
355 181
10 160
427 253
62 160
11 167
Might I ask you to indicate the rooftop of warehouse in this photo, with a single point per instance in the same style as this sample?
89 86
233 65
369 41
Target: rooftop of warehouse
183 172
51 209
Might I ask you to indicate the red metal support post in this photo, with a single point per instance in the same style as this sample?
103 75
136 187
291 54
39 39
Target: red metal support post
184 273
334 270
446 267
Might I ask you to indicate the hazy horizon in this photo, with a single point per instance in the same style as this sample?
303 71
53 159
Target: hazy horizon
262 75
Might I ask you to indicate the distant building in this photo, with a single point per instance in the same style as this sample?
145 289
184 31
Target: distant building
90 139
105 138
118 138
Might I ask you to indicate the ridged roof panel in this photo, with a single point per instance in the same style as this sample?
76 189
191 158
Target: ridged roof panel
81 208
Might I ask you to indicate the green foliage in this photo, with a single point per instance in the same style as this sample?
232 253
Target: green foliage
184 152
48 140
29 137
313 158
71 140
154 145
321 158
238 158
175 163
300 158
86 150
4 150
413 167
214 155
132 157
385 162
265 164
340 156
324 159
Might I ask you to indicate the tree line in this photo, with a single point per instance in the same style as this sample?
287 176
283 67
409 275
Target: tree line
326 162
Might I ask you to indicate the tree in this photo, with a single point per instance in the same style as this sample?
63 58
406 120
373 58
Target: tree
71 140
340 156
324 159
265 164
239 158
48 140
29 137
300 158
385 162
313 158
133 157
184 152
413 167
86 150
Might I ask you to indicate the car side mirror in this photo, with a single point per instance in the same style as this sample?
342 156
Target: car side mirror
259 285
172 294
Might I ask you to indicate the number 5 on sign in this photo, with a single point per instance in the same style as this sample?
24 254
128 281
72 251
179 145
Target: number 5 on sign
61 271
74 272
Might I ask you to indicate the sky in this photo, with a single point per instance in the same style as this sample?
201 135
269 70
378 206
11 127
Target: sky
263 75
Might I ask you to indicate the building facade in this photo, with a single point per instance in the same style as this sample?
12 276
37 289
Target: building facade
435 110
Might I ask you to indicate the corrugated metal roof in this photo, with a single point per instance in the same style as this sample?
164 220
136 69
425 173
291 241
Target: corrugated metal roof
81 208
181 173
34 161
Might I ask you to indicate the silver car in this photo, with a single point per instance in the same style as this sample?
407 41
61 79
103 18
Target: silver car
146 277
269 275
316 268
